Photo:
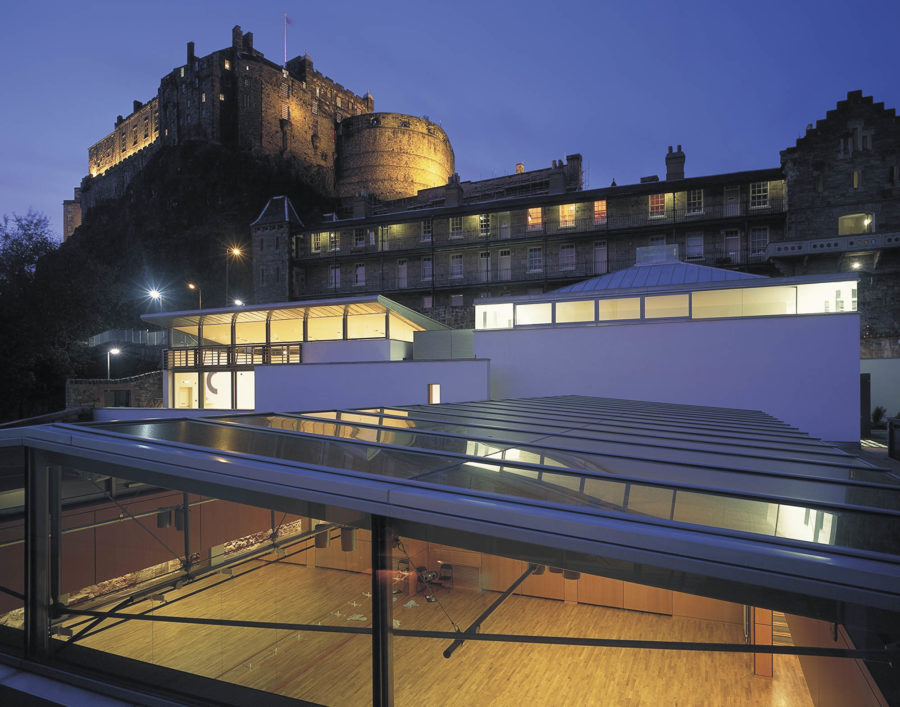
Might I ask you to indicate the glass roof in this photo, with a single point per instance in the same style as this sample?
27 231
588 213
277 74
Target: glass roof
728 471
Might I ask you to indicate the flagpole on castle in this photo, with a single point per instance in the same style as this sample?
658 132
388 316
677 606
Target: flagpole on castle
285 39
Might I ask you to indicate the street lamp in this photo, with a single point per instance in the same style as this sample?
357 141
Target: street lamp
194 286
114 352
238 303
233 253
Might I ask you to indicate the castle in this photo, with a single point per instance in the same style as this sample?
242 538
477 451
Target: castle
238 98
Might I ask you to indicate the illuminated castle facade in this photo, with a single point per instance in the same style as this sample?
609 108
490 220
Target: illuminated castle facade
238 98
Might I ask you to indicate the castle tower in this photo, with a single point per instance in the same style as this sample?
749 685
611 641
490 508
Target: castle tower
270 238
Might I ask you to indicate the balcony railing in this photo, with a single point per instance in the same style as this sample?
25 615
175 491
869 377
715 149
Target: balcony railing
522 231
387 280
232 356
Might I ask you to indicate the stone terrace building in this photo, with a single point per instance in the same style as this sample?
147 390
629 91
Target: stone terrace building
534 231
832 206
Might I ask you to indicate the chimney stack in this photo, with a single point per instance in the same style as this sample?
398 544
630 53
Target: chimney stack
674 164
137 105
190 54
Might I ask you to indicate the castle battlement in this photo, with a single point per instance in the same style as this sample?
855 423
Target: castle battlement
237 98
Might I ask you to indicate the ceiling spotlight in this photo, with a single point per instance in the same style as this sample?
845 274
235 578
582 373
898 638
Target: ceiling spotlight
856 265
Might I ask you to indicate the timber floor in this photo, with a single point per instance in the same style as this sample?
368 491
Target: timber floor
334 669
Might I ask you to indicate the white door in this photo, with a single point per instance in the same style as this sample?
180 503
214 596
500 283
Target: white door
401 273
505 272
504 225
600 258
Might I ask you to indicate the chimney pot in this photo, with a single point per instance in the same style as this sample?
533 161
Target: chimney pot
670 149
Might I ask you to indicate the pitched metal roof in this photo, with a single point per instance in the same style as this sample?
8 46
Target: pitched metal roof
278 209
734 496
671 273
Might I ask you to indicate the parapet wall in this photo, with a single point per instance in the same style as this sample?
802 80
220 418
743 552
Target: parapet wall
391 156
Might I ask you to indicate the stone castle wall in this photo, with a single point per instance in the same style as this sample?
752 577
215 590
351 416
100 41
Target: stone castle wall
131 135
391 155
236 97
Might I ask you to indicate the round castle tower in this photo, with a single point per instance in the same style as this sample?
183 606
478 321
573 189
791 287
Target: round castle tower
391 156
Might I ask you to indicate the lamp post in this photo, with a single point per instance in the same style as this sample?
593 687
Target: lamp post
114 352
155 295
233 253
194 286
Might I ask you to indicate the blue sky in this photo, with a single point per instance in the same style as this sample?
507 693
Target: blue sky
734 83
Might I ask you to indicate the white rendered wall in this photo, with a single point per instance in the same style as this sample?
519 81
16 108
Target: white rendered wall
356 350
885 382
371 384
803 370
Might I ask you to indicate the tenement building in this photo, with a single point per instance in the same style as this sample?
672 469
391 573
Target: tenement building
238 98
831 206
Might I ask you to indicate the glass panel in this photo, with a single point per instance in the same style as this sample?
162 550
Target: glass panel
746 302
666 306
826 297
217 334
128 540
575 311
534 313
217 390
286 329
610 309
246 391
365 326
12 544
325 328
494 316
250 333
650 500
184 336
401 329
716 303
769 301
854 223
185 391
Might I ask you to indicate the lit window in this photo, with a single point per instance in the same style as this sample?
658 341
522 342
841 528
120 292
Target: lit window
666 306
203 97
759 195
566 215
494 316
427 226
535 219
854 179
855 223
759 240
484 225
338 101
567 257
600 211
221 96
456 226
315 243
182 72
657 205
334 242
456 266
427 270
456 300
694 246
227 65
334 277
535 259
527 314
359 238
695 201
360 271
434 393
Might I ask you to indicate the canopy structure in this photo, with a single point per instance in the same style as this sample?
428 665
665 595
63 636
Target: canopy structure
681 495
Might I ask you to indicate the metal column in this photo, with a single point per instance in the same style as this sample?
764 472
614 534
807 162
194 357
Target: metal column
37 559
382 619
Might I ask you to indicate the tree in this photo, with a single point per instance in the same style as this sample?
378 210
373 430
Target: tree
23 241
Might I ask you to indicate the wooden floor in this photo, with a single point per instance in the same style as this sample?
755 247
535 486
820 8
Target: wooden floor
334 669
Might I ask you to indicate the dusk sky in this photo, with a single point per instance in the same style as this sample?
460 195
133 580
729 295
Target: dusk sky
734 83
